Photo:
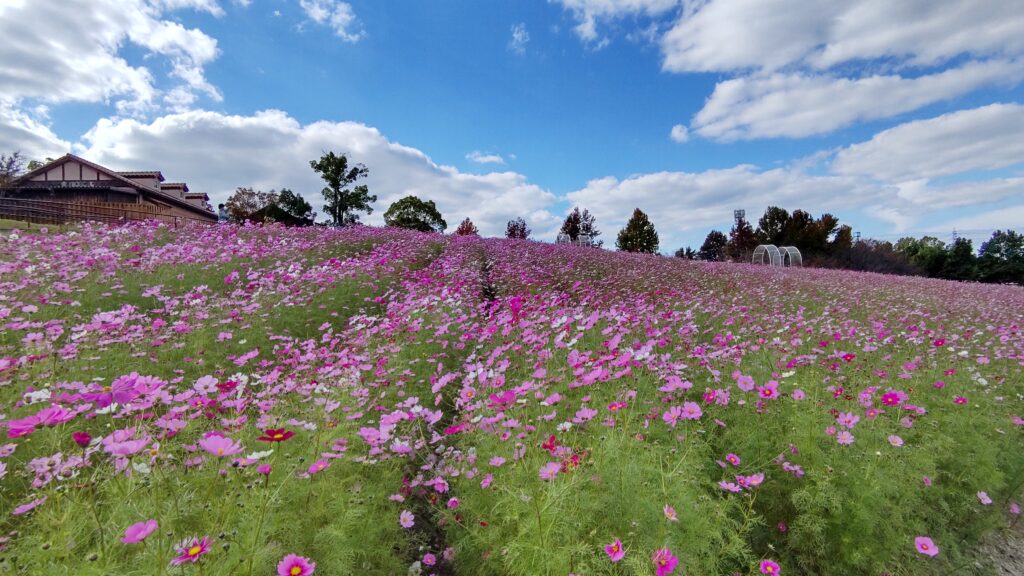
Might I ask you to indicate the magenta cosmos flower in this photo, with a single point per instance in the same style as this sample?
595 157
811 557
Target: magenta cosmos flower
925 546
294 565
769 567
664 561
137 532
220 445
192 550
615 551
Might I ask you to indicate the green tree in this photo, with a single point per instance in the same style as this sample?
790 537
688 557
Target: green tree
961 264
517 228
296 206
342 202
797 229
842 242
687 253
411 212
11 166
579 226
248 204
772 225
742 241
713 248
1002 258
467 228
639 235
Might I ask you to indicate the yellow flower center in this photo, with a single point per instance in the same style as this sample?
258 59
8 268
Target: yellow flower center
295 571
195 550
220 451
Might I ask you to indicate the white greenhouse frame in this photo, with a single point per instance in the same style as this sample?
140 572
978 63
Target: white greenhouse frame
784 256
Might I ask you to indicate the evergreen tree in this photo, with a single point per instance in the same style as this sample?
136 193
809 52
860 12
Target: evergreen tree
639 235
580 225
742 241
467 228
713 248
343 202
686 253
842 242
771 226
517 228
411 212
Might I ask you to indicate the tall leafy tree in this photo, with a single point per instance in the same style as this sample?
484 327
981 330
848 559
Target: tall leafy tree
772 226
961 264
639 234
795 232
842 241
467 228
580 225
713 248
411 212
296 206
686 253
1002 257
244 203
517 228
742 241
343 200
11 166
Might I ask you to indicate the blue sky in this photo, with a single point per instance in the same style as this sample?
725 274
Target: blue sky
898 121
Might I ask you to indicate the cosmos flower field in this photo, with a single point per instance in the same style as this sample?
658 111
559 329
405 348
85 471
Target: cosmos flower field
296 401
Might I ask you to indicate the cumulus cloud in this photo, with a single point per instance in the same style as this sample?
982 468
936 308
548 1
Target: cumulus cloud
26 132
86 64
484 158
588 13
520 38
338 15
978 139
798 105
216 153
679 133
811 68
683 203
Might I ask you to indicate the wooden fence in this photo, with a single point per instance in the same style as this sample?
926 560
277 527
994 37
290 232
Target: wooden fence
57 212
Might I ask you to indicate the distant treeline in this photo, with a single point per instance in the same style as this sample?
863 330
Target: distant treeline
823 242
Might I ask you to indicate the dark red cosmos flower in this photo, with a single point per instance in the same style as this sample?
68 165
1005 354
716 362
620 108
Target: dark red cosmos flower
276 435
550 445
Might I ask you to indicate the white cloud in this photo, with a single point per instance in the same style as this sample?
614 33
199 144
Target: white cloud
589 12
484 158
684 203
520 38
798 105
26 132
679 133
83 62
731 35
985 138
338 15
217 153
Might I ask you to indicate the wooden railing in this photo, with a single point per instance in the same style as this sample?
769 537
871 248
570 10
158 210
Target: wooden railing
57 212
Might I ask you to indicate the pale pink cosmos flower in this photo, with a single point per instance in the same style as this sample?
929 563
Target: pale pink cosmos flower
984 498
670 513
406 519
138 532
844 437
220 445
895 440
925 546
549 470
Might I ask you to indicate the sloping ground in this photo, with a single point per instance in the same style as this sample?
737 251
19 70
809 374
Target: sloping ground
381 401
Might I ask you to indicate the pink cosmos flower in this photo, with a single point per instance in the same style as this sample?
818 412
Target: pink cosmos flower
429 559
691 411
220 445
926 480
137 532
672 415
984 499
318 466
192 550
81 438
28 506
732 459
799 394
263 469
406 519
670 513
549 470
729 486
925 546
453 503
1014 508
845 437
769 567
848 419
664 561
615 551
895 440
295 565
960 400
